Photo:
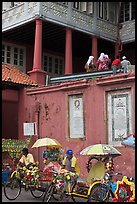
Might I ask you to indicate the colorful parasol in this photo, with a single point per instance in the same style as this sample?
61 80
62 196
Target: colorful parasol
100 150
47 142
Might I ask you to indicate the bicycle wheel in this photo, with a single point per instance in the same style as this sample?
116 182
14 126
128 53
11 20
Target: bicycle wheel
48 194
12 188
76 189
58 192
37 193
98 194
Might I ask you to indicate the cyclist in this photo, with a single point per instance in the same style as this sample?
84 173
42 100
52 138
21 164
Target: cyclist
27 159
70 163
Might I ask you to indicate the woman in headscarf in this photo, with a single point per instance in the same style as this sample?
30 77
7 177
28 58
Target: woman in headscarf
106 62
89 66
100 62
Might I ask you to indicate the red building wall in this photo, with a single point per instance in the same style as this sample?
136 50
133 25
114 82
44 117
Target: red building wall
48 107
10 114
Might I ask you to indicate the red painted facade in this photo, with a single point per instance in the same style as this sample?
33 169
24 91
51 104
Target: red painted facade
9 110
48 107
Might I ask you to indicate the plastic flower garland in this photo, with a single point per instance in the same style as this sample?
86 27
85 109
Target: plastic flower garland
31 176
125 191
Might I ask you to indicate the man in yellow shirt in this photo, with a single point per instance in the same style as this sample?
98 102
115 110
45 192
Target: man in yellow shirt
27 158
70 162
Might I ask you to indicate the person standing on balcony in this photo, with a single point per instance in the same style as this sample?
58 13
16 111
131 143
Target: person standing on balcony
107 62
116 65
90 66
125 63
102 62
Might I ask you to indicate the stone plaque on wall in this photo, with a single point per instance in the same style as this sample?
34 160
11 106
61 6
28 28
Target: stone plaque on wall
76 127
119 116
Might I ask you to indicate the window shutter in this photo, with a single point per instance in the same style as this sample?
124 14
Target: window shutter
83 6
90 7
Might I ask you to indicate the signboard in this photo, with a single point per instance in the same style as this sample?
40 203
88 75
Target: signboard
29 129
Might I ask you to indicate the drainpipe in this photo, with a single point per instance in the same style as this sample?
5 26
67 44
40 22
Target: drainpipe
118 45
37 111
94 50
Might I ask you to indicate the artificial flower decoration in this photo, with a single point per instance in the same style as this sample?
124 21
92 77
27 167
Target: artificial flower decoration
125 191
14 146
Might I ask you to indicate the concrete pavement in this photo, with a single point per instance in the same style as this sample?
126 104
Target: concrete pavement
26 196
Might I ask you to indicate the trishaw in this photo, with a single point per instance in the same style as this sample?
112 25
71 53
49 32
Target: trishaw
33 179
98 186
102 188
61 184
79 189
58 189
24 178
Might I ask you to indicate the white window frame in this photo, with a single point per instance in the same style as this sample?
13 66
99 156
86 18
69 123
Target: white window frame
53 66
83 6
130 12
103 10
90 7
76 5
12 46
100 10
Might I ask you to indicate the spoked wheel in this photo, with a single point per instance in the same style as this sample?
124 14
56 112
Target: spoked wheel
58 193
12 188
37 193
98 194
49 193
75 197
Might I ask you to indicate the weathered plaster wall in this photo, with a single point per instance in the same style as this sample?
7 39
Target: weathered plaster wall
9 111
48 107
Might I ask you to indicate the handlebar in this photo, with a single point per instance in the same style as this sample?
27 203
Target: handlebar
115 174
109 175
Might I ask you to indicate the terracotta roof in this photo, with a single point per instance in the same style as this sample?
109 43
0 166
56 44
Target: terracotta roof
12 74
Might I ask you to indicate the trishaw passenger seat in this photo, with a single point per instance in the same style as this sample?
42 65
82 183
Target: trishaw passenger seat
96 172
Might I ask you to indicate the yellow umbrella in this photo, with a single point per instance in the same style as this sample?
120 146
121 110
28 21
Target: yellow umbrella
47 142
100 149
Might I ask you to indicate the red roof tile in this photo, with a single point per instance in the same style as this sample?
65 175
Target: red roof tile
13 75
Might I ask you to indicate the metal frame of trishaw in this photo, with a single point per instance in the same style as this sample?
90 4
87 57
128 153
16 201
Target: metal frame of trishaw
86 188
78 189
15 183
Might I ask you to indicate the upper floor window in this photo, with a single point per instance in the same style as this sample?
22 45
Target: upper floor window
53 65
127 11
12 4
86 7
107 11
103 10
13 54
76 5
133 11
